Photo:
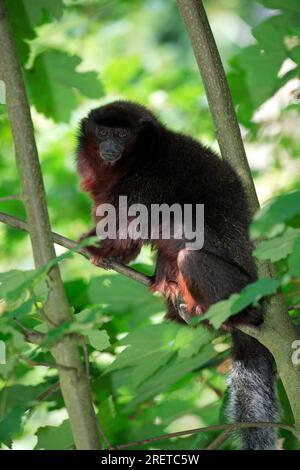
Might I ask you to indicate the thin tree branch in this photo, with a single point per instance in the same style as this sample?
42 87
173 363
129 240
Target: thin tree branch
31 336
217 427
13 197
216 443
48 391
76 393
55 386
55 365
216 390
104 436
71 245
295 307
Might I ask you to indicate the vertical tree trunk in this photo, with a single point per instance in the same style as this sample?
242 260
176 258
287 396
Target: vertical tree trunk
276 333
74 387
218 95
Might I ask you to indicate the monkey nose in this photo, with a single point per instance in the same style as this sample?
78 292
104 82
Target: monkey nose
110 151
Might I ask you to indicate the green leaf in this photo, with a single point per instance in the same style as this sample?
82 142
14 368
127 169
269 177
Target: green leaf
20 395
291 5
254 292
25 15
241 95
24 281
16 400
16 282
189 341
87 319
176 369
53 334
11 280
122 294
98 339
18 339
55 437
82 325
250 67
280 210
258 63
277 248
218 313
153 363
291 292
294 259
76 290
11 424
18 313
53 82
149 348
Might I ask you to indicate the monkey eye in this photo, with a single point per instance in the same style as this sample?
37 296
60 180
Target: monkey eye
102 131
122 133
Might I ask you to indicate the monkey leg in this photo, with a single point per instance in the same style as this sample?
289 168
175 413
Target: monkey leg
165 282
165 279
204 279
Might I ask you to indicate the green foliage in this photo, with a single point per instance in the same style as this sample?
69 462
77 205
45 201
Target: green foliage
277 248
148 376
56 71
281 210
264 59
282 214
294 260
98 339
26 15
291 5
218 313
16 400
221 311
55 437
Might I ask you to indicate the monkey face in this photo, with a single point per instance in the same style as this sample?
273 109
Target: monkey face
113 142
116 134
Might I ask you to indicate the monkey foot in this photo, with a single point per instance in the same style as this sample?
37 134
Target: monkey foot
182 310
184 313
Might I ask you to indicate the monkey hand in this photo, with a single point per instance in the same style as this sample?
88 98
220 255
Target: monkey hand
113 251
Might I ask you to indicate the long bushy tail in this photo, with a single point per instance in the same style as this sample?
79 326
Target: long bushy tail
252 392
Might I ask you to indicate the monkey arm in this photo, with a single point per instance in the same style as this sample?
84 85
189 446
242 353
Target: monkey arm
121 250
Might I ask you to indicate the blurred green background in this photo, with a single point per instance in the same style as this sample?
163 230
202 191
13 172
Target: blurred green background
77 55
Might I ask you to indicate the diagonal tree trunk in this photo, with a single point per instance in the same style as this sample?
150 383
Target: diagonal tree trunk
74 387
277 332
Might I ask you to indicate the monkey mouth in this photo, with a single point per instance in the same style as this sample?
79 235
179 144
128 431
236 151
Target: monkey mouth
110 154
110 159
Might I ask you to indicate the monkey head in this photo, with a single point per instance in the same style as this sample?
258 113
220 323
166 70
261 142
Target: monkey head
112 132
